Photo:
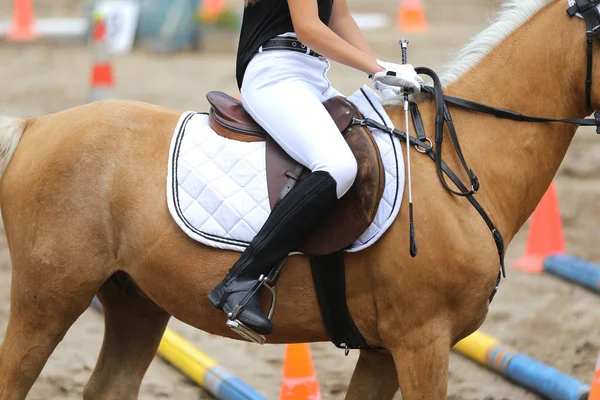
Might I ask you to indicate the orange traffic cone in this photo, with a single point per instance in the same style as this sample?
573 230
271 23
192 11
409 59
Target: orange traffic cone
595 392
545 234
23 23
411 17
211 9
102 81
299 378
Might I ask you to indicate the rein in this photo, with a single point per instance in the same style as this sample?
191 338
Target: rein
514 116
591 15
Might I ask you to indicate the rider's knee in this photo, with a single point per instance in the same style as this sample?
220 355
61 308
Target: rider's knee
343 170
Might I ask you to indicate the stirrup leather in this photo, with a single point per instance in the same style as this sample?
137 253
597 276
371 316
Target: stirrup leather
239 327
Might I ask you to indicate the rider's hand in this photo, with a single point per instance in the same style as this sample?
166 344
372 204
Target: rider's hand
401 76
388 92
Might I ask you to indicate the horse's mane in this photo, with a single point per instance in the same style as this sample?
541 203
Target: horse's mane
512 15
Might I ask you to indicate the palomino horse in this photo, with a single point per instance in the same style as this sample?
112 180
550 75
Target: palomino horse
83 198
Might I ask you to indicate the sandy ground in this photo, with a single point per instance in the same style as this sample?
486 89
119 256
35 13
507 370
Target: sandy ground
549 319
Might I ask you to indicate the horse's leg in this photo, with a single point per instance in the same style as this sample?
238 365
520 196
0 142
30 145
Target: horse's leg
421 360
45 301
133 329
374 377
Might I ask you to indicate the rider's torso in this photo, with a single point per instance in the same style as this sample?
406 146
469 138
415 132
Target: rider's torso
264 21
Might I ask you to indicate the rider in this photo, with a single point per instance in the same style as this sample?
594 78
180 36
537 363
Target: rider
282 64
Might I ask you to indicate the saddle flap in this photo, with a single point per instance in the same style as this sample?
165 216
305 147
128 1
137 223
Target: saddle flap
356 210
281 167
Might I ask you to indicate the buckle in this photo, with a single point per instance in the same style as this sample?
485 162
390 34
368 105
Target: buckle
357 121
474 182
424 150
597 118
595 31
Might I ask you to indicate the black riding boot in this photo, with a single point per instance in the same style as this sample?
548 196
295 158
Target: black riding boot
290 222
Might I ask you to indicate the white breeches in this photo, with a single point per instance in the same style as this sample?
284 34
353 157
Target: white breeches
283 91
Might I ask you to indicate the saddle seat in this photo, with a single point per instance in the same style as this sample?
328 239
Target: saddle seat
357 209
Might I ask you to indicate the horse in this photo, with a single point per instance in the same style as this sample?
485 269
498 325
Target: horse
83 199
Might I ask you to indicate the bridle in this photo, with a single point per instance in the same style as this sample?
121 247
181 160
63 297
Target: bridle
591 15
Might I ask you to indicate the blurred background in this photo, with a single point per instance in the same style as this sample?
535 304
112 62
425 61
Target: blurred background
170 53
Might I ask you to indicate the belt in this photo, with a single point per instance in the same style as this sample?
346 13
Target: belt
288 43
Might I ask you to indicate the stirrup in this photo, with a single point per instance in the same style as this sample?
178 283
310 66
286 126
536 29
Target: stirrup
245 332
236 325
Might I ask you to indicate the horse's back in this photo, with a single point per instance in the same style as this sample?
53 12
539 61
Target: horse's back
74 171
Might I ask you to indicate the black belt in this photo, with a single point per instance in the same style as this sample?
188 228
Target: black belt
288 43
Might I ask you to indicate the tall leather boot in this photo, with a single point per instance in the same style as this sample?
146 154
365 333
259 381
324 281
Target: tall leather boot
291 220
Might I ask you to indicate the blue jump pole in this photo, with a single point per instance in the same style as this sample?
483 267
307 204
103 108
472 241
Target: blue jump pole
545 380
540 378
574 270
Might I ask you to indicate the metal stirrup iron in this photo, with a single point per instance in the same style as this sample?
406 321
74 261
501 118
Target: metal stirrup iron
413 245
239 327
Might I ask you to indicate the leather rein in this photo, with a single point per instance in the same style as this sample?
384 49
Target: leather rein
591 15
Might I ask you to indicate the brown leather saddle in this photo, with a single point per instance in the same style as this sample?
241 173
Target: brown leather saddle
357 208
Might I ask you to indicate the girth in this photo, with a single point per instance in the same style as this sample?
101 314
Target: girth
591 16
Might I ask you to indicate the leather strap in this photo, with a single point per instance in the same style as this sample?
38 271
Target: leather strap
329 276
294 178
442 116
288 43
581 6
418 121
512 115
591 16
515 116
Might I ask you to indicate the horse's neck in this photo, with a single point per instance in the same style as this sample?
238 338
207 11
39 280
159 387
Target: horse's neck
538 70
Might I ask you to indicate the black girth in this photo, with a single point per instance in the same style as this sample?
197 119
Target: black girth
591 16
329 270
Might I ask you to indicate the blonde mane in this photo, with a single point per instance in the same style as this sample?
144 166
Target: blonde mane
513 14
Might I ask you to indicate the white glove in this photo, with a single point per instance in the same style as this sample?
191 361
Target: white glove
388 92
401 76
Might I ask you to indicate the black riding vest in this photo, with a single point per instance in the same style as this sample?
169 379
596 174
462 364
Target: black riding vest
263 21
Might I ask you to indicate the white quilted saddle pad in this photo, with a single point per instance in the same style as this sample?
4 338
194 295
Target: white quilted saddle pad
217 187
